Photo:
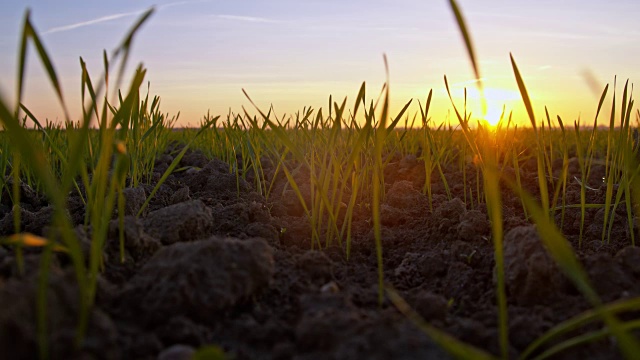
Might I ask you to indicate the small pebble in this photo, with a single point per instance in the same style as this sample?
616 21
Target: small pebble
330 287
177 352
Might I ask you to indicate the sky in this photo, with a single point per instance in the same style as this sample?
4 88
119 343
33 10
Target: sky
290 54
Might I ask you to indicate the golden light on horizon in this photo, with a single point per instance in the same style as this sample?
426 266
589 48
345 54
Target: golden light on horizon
498 103
421 40
494 115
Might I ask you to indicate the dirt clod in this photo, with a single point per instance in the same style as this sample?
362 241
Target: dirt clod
198 279
19 338
181 222
531 276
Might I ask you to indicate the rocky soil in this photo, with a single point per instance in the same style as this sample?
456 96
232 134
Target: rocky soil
214 262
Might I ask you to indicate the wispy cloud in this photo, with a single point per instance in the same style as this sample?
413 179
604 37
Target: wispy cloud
117 16
99 20
544 67
247 18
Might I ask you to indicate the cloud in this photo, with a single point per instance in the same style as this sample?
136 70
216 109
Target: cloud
246 19
99 20
544 67
117 16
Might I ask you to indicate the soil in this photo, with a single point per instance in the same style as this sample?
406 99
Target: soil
213 262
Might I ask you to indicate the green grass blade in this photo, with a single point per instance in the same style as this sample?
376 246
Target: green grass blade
30 33
378 183
542 178
125 45
467 41
491 180
22 61
398 117
492 191
174 164
451 345
579 321
360 99
562 253
524 93
587 338
610 170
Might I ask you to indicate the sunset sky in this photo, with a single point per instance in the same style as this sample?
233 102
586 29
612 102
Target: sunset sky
292 53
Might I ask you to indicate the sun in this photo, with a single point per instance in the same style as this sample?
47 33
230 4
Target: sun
498 103
494 115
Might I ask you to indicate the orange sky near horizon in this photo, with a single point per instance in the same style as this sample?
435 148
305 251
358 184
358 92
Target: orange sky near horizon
201 54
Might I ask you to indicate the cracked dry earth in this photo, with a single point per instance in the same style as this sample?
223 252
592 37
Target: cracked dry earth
207 264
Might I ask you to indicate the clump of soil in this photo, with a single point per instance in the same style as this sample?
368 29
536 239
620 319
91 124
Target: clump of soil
213 262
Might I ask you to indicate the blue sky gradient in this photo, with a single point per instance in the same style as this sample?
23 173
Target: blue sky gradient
200 54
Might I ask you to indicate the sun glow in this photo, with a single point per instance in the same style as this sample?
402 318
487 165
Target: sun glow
495 113
498 103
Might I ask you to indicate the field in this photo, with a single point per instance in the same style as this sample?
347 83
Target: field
345 232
